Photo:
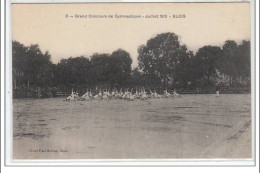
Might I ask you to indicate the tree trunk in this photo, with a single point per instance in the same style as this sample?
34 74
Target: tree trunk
14 83
39 92
28 84
208 82
230 81
165 82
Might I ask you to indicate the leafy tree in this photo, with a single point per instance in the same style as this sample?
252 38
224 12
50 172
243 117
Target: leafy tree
111 70
206 62
184 73
73 71
18 57
38 66
227 63
31 65
235 61
137 78
160 57
120 67
243 60
100 68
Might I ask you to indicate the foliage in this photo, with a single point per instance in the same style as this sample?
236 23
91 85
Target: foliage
160 57
235 61
111 70
31 66
206 62
73 71
162 63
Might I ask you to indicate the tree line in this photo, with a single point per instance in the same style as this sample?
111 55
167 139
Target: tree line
163 62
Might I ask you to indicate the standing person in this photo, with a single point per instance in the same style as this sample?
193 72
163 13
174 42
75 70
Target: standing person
217 89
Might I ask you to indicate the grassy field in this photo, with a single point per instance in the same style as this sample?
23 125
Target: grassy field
192 126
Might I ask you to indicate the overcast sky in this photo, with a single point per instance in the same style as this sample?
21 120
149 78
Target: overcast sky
204 24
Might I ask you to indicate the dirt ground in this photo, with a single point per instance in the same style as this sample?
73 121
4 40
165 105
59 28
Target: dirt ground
192 126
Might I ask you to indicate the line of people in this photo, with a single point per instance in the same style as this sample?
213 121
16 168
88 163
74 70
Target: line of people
139 94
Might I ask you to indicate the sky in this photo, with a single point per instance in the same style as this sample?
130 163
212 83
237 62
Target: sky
203 24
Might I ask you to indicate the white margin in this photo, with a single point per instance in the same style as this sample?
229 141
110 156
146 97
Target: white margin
177 162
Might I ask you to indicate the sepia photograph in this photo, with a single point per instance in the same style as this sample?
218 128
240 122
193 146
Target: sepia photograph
131 81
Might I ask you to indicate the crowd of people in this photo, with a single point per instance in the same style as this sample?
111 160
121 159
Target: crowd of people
128 94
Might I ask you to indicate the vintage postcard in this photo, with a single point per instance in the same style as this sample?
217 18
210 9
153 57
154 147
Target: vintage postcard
131 81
